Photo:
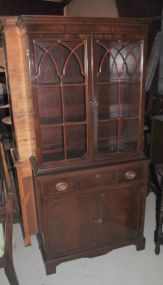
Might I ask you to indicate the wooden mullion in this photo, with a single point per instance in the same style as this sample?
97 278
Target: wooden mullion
63 120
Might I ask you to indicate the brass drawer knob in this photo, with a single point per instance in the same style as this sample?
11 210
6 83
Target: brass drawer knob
98 176
130 175
61 186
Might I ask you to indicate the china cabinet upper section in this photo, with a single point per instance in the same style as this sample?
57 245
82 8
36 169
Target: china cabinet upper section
87 82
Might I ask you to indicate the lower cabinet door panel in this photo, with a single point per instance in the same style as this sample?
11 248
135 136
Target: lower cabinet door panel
120 214
68 225
82 221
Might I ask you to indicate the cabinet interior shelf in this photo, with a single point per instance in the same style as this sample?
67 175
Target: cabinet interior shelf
52 85
118 149
118 82
50 124
117 119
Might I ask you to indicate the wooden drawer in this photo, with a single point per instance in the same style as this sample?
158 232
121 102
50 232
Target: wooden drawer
98 179
92 179
130 172
84 181
60 185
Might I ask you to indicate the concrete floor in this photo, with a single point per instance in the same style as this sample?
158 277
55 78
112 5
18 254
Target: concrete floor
124 266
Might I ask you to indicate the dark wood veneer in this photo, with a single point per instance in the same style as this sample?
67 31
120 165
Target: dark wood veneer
90 175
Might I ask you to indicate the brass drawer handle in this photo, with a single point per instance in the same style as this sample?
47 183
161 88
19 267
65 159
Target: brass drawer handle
130 175
61 186
98 176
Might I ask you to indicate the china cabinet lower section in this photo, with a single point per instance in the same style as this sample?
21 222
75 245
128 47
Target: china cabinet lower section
88 212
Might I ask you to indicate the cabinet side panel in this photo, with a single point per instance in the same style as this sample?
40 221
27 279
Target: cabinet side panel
20 96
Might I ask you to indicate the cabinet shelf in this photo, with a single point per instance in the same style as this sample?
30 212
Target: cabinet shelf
51 85
121 82
128 147
72 123
117 119
51 155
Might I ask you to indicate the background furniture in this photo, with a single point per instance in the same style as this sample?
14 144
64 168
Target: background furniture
155 154
156 175
156 143
159 206
6 221
21 109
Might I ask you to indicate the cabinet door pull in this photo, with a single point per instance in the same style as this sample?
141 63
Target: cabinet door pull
93 104
130 175
61 186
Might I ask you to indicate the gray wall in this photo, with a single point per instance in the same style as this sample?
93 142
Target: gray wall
92 8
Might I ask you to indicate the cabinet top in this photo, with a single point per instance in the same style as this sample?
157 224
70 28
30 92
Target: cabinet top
43 23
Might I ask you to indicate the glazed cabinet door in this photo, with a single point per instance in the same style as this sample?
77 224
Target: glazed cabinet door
61 91
68 224
121 213
118 81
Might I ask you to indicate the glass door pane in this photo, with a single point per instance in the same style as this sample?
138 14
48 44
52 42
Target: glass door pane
76 141
52 142
129 100
118 83
50 105
62 76
118 60
128 138
107 137
108 101
74 103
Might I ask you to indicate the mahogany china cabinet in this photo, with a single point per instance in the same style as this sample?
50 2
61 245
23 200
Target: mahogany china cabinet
90 174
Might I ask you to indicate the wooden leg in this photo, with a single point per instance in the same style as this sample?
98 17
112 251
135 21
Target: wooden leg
140 244
11 274
157 248
50 267
159 221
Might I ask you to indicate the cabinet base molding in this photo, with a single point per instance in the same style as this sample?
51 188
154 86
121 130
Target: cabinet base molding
51 265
